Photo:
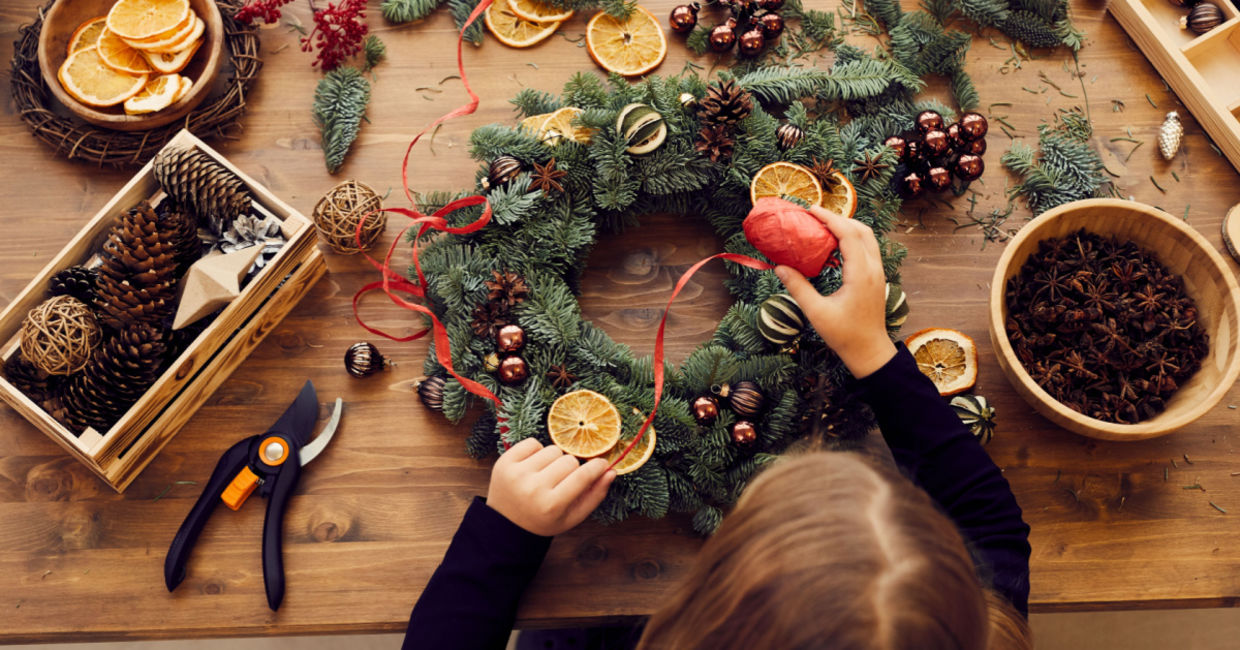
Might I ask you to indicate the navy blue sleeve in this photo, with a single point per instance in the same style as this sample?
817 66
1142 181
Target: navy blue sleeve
937 451
471 600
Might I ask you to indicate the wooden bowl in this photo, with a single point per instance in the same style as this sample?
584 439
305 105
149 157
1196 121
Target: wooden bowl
66 15
1184 252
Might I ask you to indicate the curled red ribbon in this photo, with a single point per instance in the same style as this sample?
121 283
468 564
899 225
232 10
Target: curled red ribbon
393 283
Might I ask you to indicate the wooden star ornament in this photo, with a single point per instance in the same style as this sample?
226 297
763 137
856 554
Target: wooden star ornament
211 283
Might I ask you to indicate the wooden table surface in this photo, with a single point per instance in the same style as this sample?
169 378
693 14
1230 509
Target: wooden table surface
373 516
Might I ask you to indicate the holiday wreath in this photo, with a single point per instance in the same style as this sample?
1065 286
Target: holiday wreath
597 158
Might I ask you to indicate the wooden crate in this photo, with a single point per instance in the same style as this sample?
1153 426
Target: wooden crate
119 454
1203 70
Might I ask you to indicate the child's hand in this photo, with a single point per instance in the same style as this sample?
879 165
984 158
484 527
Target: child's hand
853 320
544 490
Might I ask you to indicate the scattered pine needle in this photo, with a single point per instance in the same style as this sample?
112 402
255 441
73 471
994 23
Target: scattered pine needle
1218 507
1150 100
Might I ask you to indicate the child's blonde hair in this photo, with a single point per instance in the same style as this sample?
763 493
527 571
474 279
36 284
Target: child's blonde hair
826 550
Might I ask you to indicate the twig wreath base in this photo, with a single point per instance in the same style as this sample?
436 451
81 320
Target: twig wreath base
77 140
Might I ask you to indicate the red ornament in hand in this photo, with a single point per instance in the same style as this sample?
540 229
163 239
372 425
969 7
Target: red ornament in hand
788 234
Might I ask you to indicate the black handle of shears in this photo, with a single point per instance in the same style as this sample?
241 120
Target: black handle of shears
282 488
187 535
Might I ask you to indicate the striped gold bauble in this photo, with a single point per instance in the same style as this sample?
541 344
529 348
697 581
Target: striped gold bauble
780 319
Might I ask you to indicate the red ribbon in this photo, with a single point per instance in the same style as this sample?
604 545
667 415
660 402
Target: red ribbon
393 283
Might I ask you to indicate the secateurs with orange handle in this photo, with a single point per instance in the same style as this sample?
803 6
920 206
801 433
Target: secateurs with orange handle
270 463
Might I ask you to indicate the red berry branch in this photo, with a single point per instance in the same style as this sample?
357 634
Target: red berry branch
338 30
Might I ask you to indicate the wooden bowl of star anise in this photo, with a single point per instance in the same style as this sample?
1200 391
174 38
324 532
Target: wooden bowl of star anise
1115 320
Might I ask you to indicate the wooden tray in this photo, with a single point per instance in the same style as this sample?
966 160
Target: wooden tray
119 454
1203 70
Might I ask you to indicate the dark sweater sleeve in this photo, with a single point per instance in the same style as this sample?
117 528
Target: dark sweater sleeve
933 447
471 600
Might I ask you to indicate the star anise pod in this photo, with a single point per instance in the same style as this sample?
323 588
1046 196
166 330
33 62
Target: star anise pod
715 142
825 172
560 376
488 318
547 178
869 167
507 288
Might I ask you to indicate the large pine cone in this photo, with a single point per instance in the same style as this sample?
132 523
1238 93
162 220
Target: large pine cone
116 377
137 282
36 384
183 227
76 281
214 194
725 103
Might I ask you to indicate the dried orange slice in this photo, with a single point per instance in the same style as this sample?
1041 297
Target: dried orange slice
787 179
170 62
177 43
84 76
638 456
158 94
514 31
560 125
627 46
839 195
87 34
534 123
136 19
583 423
117 54
176 31
947 357
186 84
539 12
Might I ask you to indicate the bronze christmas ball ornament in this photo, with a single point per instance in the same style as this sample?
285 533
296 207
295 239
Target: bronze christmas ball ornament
1203 17
969 168
705 409
510 338
973 126
722 38
430 391
363 359
935 143
502 171
896 144
977 147
913 155
929 121
752 42
788 136
772 25
744 432
746 398
683 18
956 137
938 179
912 186
513 370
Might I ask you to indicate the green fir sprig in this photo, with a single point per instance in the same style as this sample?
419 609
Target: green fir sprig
339 107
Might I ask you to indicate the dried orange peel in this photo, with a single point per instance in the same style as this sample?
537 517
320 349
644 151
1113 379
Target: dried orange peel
584 423
948 357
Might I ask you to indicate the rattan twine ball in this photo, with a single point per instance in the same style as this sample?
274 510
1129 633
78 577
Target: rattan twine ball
340 210
60 335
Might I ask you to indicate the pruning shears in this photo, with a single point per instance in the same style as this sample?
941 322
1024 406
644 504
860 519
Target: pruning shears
270 463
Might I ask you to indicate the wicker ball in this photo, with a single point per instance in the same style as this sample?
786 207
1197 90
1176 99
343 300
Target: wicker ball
60 335
337 214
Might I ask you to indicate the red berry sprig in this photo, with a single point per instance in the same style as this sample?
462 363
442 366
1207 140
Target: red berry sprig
266 10
338 33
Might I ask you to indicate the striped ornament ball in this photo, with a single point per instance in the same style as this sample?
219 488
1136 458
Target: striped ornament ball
780 319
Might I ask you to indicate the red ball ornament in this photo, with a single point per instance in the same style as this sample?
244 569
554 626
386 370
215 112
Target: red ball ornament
752 42
744 432
977 147
788 234
513 370
929 121
896 144
510 338
973 126
969 167
935 143
938 179
683 18
722 38
772 25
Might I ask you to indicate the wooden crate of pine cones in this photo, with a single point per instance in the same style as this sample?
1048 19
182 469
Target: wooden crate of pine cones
201 360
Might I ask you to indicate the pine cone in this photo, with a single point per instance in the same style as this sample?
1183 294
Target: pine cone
77 281
117 376
137 282
488 318
183 226
248 230
214 194
716 142
507 288
36 384
725 103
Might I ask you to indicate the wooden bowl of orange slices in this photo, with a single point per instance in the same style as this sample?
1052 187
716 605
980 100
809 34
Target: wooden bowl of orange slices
131 65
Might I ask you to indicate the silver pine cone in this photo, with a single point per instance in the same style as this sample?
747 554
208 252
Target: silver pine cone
1169 136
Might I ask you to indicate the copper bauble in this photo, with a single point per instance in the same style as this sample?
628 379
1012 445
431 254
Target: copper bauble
973 126
502 171
513 370
705 409
1202 18
977 147
722 38
969 167
913 155
955 137
928 121
683 18
771 5
912 186
751 42
430 391
938 179
744 432
510 338
935 143
772 25
363 360
746 398
896 144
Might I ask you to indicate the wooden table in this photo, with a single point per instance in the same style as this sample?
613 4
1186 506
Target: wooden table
374 514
